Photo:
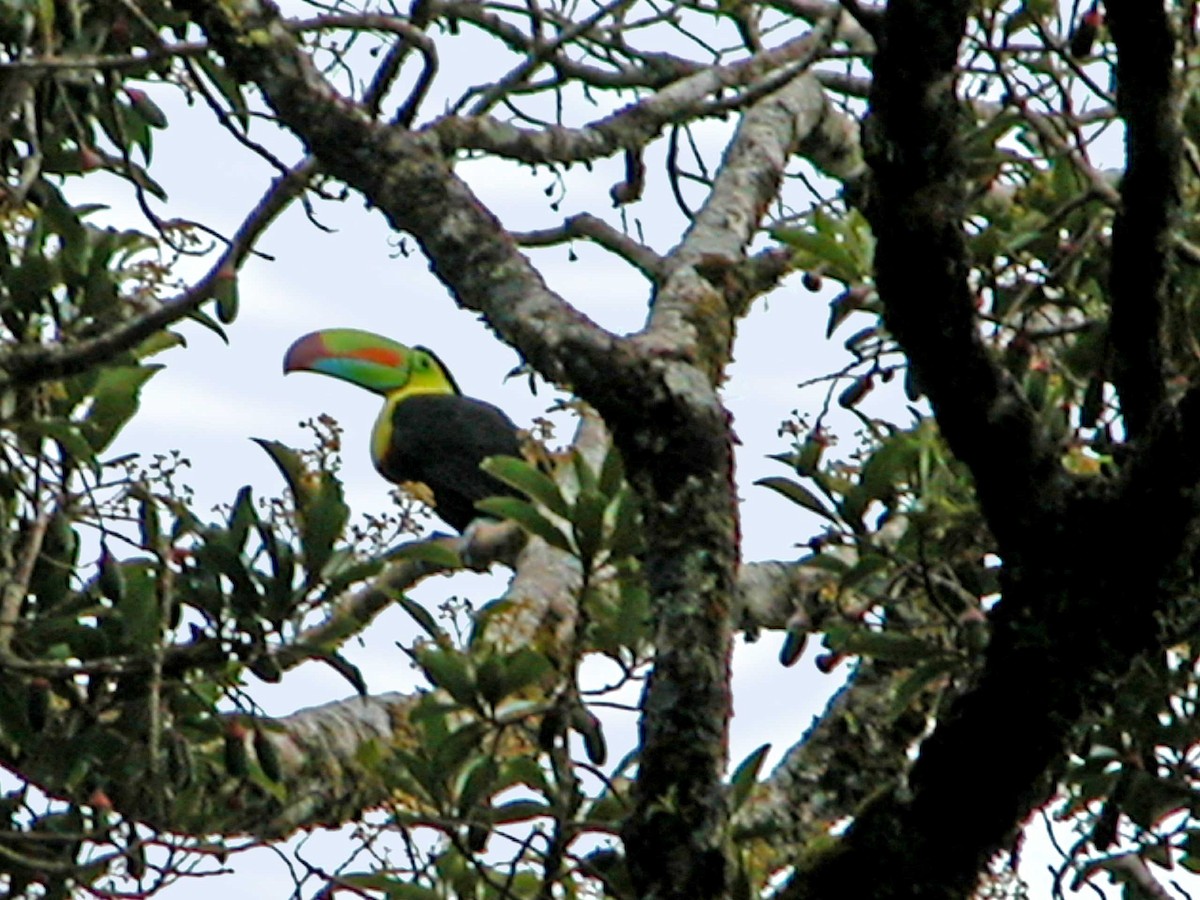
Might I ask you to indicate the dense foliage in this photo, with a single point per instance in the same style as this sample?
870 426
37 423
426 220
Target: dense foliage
995 199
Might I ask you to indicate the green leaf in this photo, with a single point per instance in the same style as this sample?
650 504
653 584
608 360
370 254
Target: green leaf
798 494
489 676
32 282
524 667
290 464
157 343
237 756
584 475
203 318
228 86
1086 356
854 505
70 438
114 400
136 173
456 871
633 616
346 669
890 467
225 293
449 754
449 671
612 473
111 579
432 712
421 615
501 675
587 524
528 479
819 250
745 776
280 588
609 807
268 755
1191 850
526 515
219 555
241 518
479 784
842 247
346 568
805 459
393 888
523 770
519 811
587 725
626 539
322 522
149 526
1149 799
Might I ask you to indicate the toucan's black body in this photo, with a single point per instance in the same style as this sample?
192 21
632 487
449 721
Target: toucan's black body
427 430
440 439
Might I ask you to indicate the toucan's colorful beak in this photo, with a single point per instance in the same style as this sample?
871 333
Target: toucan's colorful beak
368 360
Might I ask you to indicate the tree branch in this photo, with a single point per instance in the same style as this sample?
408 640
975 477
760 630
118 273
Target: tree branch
693 96
585 225
912 839
102 62
25 364
1147 99
855 748
917 209
1062 634
651 70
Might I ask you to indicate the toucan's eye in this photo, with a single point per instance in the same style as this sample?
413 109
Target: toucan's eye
422 362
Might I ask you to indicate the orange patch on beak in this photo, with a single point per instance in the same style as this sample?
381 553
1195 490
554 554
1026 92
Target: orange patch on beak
380 355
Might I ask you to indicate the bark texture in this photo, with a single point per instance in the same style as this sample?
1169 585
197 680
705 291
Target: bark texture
1066 628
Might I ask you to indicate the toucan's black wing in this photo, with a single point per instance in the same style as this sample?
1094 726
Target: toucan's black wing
440 439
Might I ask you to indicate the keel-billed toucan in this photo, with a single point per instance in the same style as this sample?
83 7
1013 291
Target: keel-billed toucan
427 430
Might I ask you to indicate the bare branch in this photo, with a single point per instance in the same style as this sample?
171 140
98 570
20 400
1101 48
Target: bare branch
750 174
652 70
103 62
688 98
813 11
599 232
538 56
